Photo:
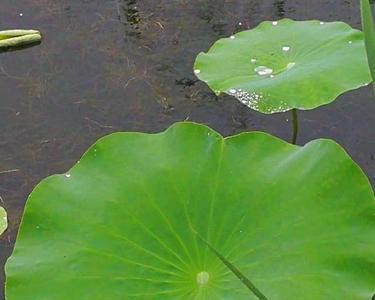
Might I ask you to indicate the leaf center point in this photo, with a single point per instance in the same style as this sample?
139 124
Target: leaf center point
202 278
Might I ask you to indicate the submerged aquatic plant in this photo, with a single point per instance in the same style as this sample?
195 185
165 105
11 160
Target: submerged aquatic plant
19 37
3 220
188 214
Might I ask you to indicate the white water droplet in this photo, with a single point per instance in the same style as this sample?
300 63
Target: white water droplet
67 175
274 23
321 23
253 60
286 48
290 65
250 99
232 37
202 278
262 70
197 71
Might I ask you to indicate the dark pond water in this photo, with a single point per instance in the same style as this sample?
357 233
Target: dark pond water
109 66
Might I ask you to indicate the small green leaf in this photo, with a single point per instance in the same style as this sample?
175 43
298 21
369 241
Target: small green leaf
369 32
297 221
288 64
3 220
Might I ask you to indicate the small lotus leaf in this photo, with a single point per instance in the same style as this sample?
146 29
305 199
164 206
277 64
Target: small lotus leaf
286 64
123 223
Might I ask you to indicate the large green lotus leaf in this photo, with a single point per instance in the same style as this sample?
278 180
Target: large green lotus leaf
297 221
286 64
3 220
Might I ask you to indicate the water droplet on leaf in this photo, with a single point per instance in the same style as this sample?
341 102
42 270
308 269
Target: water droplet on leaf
250 99
290 65
262 70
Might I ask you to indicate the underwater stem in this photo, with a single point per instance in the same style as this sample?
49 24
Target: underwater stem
295 125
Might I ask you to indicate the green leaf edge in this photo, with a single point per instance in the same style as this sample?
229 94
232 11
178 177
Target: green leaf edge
177 125
284 20
369 33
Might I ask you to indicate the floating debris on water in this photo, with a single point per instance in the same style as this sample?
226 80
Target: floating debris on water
197 71
274 23
232 37
262 70
253 60
321 23
67 175
286 48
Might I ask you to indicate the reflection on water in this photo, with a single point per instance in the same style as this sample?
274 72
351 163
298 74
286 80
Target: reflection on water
280 8
107 66
19 48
